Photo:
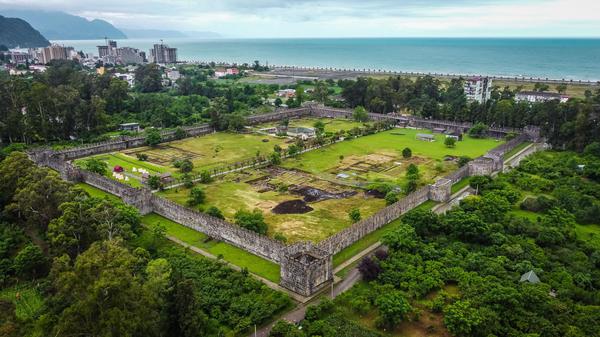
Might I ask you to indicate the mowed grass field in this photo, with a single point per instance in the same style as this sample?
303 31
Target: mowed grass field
389 144
331 124
128 163
210 151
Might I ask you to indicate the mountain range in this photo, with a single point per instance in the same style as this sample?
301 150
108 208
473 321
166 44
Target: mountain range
18 33
63 26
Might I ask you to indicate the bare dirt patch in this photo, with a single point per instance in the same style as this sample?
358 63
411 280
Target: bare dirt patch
296 206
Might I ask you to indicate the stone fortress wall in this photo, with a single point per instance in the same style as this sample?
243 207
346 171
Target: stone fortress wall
305 267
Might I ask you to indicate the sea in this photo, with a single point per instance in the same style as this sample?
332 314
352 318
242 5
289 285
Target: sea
554 58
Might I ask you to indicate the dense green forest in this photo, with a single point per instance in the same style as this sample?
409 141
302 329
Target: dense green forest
74 265
536 218
67 102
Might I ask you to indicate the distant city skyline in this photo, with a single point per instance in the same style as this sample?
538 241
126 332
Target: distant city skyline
336 18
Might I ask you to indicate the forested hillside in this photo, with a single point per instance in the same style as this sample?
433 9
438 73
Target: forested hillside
63 26
18 33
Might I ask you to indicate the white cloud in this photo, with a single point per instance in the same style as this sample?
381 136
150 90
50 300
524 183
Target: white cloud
278 18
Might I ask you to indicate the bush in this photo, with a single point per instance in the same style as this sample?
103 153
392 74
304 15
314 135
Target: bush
406 153
450 142
180 133
205 177
391 198
95 165
478 130
186 166
369 268
215 212
154 182
253 221
141 156
153 137
463 160
197 196
354 215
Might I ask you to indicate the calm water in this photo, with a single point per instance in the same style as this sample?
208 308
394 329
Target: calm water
552 58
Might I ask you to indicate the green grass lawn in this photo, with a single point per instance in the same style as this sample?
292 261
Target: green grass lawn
331 124
234 255
460 185
27 300
128 163
98 193
389 144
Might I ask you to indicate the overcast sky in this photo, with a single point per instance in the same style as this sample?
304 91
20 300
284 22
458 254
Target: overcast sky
342 18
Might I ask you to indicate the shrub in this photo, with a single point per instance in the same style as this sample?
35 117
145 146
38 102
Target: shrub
463 160
354 215
391 198
180 133
142 156
186 166
197 196
153 137
450 142
154 182
95 165
253 221
369 268
406 153
205 177
478 130
215 212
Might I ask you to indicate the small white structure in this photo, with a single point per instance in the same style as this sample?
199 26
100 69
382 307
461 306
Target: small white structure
536 97
530 277
425 137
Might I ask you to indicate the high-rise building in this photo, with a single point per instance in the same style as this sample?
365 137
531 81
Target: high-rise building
478 89
128 55
54 52
103 51
161 53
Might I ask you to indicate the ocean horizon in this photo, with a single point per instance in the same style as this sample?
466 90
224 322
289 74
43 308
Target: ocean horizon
553 58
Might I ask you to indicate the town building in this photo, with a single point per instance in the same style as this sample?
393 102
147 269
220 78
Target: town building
129 78
536 97
173 75
478 89
18 57
161 53
128 55
54 52
287 93
135 127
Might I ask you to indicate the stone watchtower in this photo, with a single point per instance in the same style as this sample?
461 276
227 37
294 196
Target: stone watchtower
441 190
305 269
482 166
